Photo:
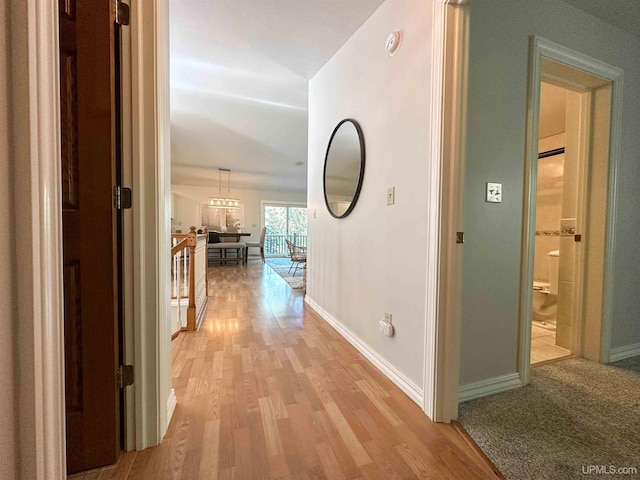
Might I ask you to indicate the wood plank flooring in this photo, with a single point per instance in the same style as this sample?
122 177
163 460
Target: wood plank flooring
268 390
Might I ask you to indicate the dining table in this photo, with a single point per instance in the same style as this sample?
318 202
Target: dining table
235 235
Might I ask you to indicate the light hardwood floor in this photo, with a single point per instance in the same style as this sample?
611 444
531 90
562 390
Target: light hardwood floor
268 390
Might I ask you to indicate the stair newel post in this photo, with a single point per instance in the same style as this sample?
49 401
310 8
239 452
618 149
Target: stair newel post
191 310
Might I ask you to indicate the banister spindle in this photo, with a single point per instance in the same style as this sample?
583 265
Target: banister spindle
191 309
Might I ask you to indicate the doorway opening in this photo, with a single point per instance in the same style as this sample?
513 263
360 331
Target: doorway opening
570 206
556 213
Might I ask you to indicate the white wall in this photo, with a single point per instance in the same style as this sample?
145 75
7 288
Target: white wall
499 47
189 197
8 412
374 260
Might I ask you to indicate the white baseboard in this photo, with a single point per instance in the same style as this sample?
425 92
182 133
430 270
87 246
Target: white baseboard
620 353
200 314
172 401
489 387
392 373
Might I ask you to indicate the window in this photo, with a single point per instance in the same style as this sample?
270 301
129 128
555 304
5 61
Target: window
284 222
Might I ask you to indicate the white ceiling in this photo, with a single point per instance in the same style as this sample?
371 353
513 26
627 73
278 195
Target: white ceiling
239 76
623 14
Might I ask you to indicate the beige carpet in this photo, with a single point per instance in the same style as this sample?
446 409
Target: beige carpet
282 266
574 414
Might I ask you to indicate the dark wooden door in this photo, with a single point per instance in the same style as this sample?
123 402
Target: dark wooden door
89 232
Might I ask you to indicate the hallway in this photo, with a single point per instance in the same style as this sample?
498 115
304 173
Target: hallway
266 389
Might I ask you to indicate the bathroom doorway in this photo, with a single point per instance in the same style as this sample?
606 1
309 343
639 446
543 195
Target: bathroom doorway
555 219
571 181
571 212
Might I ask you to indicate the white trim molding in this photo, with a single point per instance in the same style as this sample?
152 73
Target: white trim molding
149 124
444 257
172 401
163 207
620 353
489 386
541 48
37 188
413 391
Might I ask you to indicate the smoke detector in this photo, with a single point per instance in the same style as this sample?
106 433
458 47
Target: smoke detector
393 43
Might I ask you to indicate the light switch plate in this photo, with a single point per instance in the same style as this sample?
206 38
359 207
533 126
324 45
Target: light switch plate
391 195
494 192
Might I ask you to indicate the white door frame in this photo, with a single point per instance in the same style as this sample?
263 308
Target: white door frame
37 189
146 132
541 48
446 216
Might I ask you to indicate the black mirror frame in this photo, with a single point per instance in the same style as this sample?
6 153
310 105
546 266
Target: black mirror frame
362 164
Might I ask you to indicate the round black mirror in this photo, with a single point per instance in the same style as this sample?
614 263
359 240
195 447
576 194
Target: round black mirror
344 168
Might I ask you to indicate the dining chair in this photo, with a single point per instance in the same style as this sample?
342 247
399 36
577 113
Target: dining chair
297 254
259 244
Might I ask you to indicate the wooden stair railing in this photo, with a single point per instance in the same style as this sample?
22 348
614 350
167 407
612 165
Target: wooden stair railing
190 252
178 247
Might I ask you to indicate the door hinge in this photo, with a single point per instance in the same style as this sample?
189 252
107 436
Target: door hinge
121 197
459 237
124 376
121 12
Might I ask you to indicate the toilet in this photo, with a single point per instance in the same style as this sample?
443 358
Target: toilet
545 294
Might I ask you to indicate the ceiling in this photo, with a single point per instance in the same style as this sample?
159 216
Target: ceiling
623 14
239 78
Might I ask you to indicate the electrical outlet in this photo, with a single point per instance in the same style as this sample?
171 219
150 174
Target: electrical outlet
494 192
387 318
391 195
385 328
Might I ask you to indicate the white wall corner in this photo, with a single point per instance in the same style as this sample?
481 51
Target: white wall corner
620 353
489 386
444 256
413 391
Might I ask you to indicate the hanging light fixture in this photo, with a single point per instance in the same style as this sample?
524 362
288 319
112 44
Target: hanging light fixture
220 201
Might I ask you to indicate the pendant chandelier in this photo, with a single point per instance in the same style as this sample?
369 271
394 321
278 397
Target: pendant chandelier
220 201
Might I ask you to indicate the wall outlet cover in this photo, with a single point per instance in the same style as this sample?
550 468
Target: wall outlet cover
385 328
494 192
